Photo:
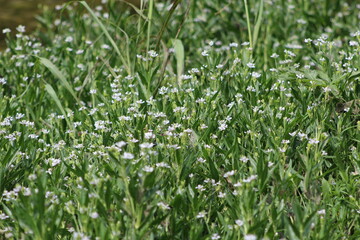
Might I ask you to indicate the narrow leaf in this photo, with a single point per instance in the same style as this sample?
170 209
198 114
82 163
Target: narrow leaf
179 55
56 72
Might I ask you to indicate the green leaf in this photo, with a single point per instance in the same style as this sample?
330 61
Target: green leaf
56 72
258 23
179 55
54 96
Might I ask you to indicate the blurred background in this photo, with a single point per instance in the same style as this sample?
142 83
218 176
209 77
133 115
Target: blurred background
21 12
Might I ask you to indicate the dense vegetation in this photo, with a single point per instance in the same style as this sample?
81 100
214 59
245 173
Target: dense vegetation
183 120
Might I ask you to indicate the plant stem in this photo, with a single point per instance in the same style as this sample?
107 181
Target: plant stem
248 23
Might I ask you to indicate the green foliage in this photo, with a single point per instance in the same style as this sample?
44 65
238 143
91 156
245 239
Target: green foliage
167 124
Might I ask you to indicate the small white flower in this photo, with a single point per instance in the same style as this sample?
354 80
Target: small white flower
201 214
6 30
120 144
228 174
215 236
148 169
163 206
205 53
250 179
69 39
20 28
321 212
221 195
146 145
149 135
300 76
128 155
250 65
105 46
353 43
94 215
3 216
239 222
250 237
255 74
244 159
152 53
326 89
301 21
234 44
313 141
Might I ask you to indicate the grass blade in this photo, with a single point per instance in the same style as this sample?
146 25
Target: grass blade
258 23
56 72
179 55
103 28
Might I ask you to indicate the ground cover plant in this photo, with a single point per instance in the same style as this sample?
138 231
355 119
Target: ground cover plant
182 120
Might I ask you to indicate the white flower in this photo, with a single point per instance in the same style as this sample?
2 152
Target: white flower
250 65
148 169
255 74
54 161
353 43
6 30
250 237
163 206
221 195
69 39
222 125
228 174
99 125
120 144
215 236
20 28
239 222
149 135
2 81
301 21
234 44
313 141
128 155
200 188
321 212
201 214
105 46
205 53
300 76
250 179
3 216
94 215
152 53
146 145
244 159
326 89
186 77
